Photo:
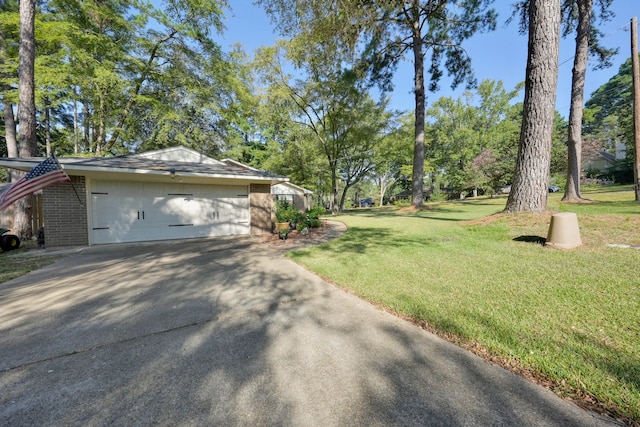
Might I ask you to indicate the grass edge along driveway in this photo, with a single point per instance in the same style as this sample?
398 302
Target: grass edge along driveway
567 319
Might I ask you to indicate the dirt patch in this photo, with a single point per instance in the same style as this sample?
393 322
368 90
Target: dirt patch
487 219
413 209
299 239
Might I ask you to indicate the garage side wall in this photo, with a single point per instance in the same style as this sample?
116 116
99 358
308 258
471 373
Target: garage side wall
65 214
261 206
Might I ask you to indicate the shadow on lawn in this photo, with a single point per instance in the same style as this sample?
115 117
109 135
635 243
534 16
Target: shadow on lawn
227 333
599 207
437 213
531 239
622 366
360 240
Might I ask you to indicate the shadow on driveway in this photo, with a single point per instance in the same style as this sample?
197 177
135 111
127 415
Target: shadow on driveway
230 332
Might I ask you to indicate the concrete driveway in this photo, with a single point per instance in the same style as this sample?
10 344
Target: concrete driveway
230 332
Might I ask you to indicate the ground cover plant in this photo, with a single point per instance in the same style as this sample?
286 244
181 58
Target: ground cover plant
567 319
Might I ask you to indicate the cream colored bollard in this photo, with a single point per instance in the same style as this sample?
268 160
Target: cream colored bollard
564 232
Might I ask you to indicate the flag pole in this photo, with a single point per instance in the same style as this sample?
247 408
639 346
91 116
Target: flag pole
70 180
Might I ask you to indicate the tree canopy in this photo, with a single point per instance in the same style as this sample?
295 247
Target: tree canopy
119 76
372 37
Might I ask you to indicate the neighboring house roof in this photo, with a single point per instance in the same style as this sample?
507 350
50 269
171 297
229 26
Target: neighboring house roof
600 160
173 161
608 156
237 163
276 188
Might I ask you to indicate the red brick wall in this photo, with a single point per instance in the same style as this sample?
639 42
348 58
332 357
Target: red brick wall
65 214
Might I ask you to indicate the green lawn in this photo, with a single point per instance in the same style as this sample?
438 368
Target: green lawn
571 319
13 265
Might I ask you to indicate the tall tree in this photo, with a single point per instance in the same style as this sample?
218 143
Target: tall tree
529 191
579 14
387 32
26 66
469 136
609 120
345 122
7 101
572 189
9 16
363 126
27 130
393 157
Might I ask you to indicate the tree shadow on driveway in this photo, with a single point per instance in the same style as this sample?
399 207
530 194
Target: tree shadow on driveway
226 332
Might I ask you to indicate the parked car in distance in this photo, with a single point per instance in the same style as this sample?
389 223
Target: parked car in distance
366 203
554 189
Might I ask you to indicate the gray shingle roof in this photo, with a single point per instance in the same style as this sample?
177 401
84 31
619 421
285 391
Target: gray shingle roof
133 164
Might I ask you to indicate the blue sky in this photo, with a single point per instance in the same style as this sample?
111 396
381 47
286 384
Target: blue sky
499 55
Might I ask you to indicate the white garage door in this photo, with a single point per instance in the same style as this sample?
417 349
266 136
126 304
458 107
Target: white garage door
133 212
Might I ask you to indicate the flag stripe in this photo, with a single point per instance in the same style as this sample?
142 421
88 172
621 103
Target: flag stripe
27 187
43 175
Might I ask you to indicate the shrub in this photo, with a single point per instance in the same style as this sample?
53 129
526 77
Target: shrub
310 219
316 212
284 211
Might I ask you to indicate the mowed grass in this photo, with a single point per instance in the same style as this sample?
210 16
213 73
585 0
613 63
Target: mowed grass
14 264
568 319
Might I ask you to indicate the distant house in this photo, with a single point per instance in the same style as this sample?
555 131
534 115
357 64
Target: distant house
600 162
298 196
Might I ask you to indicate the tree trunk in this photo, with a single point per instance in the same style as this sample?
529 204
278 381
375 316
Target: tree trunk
572 190
10 132
343 197
26 63
76 136
529 191
101 137
9 117
417 185
27 130
47 127
335 207
384 184
88 142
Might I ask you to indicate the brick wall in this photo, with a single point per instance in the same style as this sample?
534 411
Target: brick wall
261 208
65 217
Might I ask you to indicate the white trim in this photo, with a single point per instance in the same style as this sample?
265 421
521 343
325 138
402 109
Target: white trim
237 163
291 186
69 166
178 154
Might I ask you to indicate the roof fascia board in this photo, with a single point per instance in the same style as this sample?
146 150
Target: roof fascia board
73 169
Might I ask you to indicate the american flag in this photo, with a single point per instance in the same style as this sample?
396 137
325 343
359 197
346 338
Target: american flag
43 175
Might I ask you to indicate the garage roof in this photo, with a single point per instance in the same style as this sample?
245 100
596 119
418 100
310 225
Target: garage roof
175 161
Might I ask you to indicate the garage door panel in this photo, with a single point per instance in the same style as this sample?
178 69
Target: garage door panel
129 212
190 210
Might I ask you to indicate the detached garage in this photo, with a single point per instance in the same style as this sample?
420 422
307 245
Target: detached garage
174 193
